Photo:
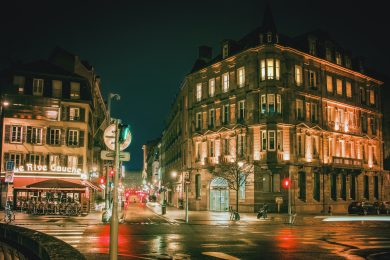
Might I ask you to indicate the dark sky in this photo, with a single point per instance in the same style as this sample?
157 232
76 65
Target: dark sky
143 49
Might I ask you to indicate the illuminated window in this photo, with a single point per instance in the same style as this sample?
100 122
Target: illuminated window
262 65
198 120
225 82
211 117
263 104
37 87
212 87
72 161
277 69
312 79
338 58
16 134
241 77
270 68
241 107
298 75
198 91
264 140
271 103
372 97
74 90
271 140
57 88
339 87
329 84
19 82
279 140
278 104
73 137
74 114
348 88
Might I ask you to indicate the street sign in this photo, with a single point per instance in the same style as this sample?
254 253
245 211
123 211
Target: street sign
9 172
109 138
9 166
109 156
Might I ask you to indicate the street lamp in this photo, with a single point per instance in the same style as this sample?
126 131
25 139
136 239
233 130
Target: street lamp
4 104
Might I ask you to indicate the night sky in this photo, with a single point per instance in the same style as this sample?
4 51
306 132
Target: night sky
143 49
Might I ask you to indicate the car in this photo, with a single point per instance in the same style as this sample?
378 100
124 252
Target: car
383 206
363 208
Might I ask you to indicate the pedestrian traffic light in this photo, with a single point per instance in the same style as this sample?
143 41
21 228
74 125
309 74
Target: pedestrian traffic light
286 183
124 131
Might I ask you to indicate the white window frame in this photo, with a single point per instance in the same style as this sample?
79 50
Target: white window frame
271 136
57 88
36 135
38 87
198 92
75 90
212 87
74 114
16 134
72 161
270 68
241 77
263 104
73 137
54 160
298 75
16 158
264 143
225 82
54 134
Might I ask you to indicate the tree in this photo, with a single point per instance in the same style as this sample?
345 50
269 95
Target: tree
235 173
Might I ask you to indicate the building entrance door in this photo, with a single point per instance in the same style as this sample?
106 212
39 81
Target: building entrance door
219 195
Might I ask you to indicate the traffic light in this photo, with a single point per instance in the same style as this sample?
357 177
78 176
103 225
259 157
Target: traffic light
127 194
102 180
124 131
112 172
286 183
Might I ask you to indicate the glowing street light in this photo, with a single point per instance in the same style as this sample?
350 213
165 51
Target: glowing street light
174 174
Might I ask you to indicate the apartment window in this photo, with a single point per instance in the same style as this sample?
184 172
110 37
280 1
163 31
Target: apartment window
262 69
16 158
316 187
198 120
225 114
328 54
299 109
373 125
376 187
225 82
241 193
241 77
315 146
352 187
338 58
277 69
271 103
263 140
19 82
54 159
74 90
34 135
198 151
37 87
72 161
339 87
263 104
57 88
73 137
16 134
329 84
211 117
344 187
271 140
362 96
372 97
35 159
298 75
197 185
240 144
241 107
364 123
366 187
348 89
198 91
333 186
211 148
212 87
279 140
270 69
302 185
278 104
312 79
226 148
74 113
314 112
55 135
301 145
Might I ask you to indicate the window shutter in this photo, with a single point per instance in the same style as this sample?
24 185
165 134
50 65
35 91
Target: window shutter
81 138
24 134
7 134
64 113
82 115
80 162
47 135
29 135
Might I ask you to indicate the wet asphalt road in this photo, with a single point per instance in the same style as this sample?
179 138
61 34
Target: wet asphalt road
145 235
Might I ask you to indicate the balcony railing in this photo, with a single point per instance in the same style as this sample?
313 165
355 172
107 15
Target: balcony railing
347 162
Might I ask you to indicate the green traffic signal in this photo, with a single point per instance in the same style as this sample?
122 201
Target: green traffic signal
124 131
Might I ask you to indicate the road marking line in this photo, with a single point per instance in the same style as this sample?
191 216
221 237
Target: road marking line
220 255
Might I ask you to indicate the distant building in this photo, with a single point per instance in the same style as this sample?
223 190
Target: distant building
299 107
132 179
50 118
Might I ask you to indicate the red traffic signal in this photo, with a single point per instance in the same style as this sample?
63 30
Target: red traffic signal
127 194
286 183
112 172
102 180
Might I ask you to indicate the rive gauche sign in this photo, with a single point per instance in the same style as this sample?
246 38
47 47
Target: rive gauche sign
29 167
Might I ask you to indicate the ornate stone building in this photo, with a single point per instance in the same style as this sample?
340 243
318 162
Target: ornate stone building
298 107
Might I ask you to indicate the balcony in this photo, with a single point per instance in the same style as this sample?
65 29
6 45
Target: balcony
347 162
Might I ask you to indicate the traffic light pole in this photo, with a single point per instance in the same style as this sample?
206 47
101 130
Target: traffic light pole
186 201
289 199
114 216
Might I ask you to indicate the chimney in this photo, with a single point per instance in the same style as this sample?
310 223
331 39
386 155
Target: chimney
205 53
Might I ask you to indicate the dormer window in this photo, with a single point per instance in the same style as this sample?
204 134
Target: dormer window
37 87
270 69
312 47
338 58
225 51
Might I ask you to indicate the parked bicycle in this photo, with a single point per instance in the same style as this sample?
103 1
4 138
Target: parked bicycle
9 215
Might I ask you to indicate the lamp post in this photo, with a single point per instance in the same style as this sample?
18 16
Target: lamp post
3 105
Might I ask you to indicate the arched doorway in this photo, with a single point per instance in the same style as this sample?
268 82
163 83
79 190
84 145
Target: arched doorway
219 195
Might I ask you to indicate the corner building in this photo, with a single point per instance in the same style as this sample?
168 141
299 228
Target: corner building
298 107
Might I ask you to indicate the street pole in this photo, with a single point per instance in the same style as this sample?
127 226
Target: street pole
186 185
114 216
289 198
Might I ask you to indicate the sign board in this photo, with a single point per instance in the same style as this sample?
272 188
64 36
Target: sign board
109 138
9 174
9 166
279 200
109 156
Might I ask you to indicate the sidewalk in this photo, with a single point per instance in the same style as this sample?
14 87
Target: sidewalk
175 215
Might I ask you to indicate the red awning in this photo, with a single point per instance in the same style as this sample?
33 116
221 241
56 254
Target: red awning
23 182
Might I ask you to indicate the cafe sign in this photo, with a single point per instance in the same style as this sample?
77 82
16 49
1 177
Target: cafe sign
29 167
